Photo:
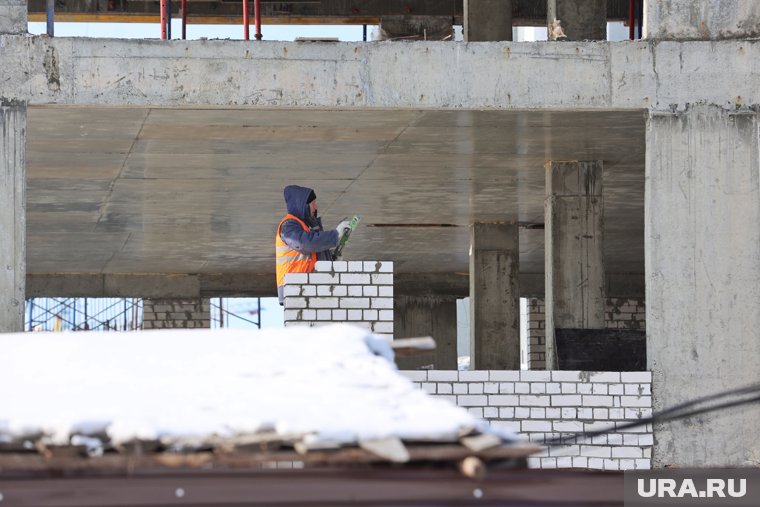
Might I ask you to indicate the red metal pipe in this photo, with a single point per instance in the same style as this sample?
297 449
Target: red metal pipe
163 19
184 19
257 17
245 19
631 32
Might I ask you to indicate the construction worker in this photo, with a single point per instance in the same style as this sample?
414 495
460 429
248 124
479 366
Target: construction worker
301 241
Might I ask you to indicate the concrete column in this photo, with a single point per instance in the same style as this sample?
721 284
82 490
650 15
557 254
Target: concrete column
702 245
416 28
12 215
574 223
494 297
434 316
487 20
13 17
701 19
579 19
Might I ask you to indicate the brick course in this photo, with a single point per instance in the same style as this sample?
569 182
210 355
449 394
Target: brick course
173 313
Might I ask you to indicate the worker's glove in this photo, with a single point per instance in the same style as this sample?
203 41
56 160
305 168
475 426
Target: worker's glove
345 224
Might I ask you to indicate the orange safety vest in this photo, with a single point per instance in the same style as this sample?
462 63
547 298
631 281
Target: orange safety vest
289 260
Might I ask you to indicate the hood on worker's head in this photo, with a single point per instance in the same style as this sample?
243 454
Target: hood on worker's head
297 200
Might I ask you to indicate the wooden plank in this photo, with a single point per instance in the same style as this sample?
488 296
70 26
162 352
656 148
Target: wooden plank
391 449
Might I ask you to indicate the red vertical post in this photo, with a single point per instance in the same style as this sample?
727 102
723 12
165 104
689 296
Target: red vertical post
257 17
163 19
184 19
630 19
245 19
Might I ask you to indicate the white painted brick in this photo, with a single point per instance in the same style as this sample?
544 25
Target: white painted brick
646 389
371 267
504 375
308 290
629 452
538 388
627 464
339 290
617 413
460 388
339 315
450 399
321 266
307 315
355 266
370 314
355 290
636 401
548 462
565 462
522 387
568 413
467 400
598 426
443 388
415 375
354 315
636 377
617 389
565 376
580 462
596 463
491 388
597 401
643 464
508 413
340 266
491 412
324 314
585 388
318 302
599 389
506 387
522 412
354 279
568 388
443 375
645 440
611 464
568 426
349 302
364 325
370 290
585 413
534 401
292 315
473 376
385 291
385 303
292 290
565 450
429 387
475 388
324 290
601 413
631 440
382 327
553 388
565 400
323 279
500 400
535 376
293 302
648 452
599 440
615 439
385 315
596 451
554 413
296 278
384 279
534 462
638 413
538 413
476 411
386 267
604 376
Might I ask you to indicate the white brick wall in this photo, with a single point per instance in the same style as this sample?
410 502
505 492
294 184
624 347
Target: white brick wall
620 313
357 292
176 313
541 405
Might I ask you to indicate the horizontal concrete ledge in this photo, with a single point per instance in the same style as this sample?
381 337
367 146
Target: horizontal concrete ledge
158 285
477 75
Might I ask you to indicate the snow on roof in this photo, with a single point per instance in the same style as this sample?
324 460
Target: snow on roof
336 383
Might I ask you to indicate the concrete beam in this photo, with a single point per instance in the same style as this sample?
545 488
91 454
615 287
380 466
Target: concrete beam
580 19
494 297
487 20
435 316
13 17
12 215
490 75
703 278
701 19
574 249
411 28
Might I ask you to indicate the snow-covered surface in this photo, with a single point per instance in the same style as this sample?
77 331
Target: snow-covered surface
334 383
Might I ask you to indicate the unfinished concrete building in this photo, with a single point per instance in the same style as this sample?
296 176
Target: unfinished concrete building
577 172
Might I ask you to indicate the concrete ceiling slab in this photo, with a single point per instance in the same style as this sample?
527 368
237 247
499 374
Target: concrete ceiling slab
152 190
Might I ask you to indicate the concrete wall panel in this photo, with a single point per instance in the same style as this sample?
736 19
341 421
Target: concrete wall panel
701 19
13 16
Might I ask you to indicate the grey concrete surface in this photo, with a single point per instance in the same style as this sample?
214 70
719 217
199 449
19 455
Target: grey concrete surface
487 20
13 15
703 279
702 19
12 218
477 75
435 316
494 296
574 239
580 19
